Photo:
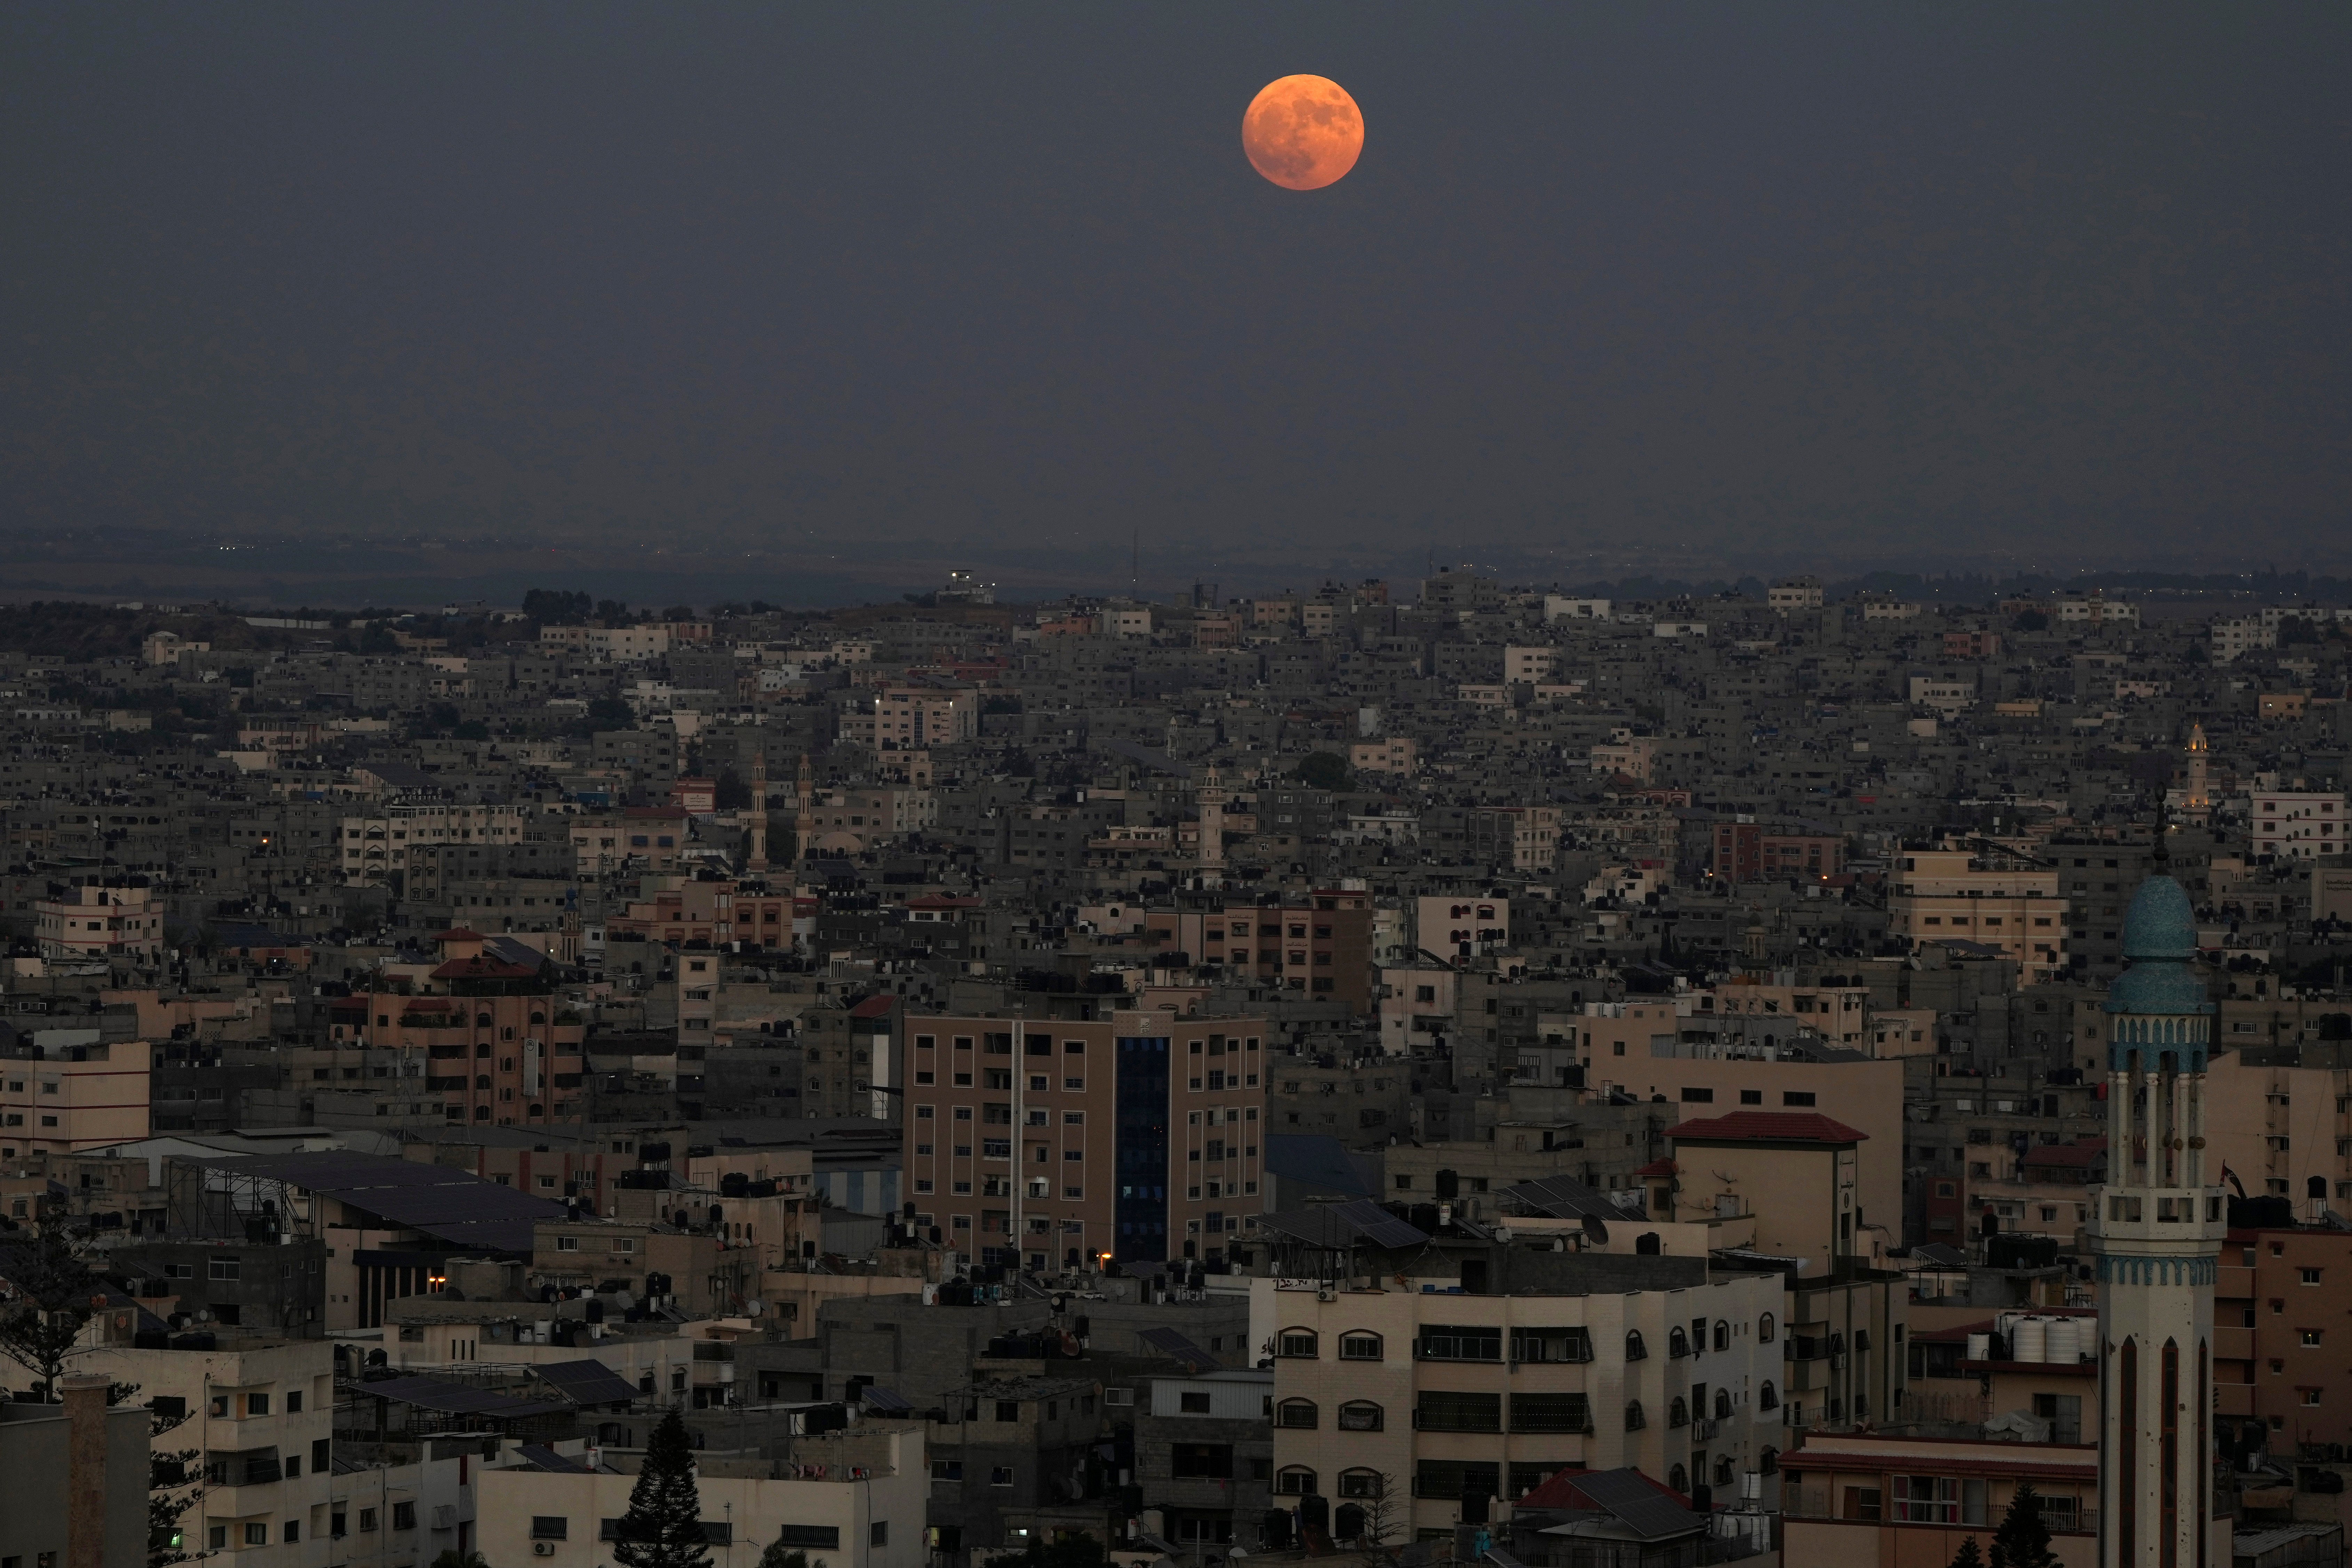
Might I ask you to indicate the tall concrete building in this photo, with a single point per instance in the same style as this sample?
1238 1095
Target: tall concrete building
2159 1229
1138 1137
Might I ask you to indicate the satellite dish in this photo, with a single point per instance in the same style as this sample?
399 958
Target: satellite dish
1596 1230
755 1306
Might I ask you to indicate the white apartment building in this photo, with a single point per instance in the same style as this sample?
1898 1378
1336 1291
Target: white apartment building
856 1498
1795 594
2240 634
1529 664
261 1412
1440 1394
375 846
2299 825
1946 694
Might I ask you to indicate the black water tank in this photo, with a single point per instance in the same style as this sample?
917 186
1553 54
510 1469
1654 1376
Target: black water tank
1315 1513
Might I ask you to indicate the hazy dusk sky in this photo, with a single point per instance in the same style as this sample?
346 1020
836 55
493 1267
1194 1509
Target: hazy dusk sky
1872 278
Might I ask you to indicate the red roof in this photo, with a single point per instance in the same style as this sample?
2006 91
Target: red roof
872 1008
1766 1127
1560 1491
1657 1168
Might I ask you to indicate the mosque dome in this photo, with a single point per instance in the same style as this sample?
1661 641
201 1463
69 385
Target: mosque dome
2160 924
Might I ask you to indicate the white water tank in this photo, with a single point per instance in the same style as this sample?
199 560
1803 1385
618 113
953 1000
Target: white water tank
1980 1347
2065 1340
2029 1341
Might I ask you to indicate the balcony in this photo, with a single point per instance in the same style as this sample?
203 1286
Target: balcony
1822 1505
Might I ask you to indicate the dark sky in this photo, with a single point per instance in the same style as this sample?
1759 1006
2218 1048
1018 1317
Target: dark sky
1765 281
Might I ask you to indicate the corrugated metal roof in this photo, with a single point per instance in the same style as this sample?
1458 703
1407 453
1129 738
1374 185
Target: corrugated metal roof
587 1382
458 1398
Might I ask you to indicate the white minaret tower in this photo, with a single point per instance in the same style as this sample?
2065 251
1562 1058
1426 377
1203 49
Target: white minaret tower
2157 1230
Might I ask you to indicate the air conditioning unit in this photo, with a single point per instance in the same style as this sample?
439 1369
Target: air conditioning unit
542 1549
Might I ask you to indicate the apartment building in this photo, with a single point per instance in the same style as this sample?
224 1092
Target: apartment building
1746 852
499 1048
2279 1334
1204 1455
2015 910
1795 594
1863 1499
1435 1394
2299 825
102 922
260 1411
62 1095
375 848
608 645
1320 942
1398 756
858 1497
1053 1143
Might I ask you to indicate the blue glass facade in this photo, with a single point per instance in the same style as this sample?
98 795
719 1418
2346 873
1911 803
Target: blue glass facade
1142 1150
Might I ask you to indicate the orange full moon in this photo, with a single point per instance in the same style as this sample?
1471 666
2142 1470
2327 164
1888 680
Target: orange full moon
1303 132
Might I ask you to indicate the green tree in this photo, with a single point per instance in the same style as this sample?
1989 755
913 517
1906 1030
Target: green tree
453 1558
1324 770
43 1317
174 1481
2024 1540
663 1527
1968 1556
779 1555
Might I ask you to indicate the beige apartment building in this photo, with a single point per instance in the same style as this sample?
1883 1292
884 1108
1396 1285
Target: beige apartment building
2284 1132
261 1412
1866 1095
1397 756
2299 825
1951 894
59 1098
1430 1394
97 921
375 848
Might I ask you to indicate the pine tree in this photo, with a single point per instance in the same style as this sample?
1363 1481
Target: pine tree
663 1527
1968 1556
2024 1540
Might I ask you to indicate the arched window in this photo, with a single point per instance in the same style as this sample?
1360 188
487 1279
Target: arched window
1360 1483
1678 1479
1765 1329
1677 1343
1723 1471
1768 1461
1362 1415
1678 1411
1347 1521
1723 1404
538 1017
1767 1397
1295 1413
1359 1346
1646 1245
1298 1342
1722 1335
1634 1419
1634 1349
1295 1481
483 1020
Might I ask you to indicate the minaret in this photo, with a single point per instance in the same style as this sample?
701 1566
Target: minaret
2196 799
2157 1229
757 858
804 820
1211 801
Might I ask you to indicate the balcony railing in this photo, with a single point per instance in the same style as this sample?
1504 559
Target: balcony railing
1828 1504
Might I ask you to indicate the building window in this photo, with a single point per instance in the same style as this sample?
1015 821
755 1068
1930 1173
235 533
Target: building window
1298 1414
1634 1419
1361 1416
1360 1347
1295 1481
1300 1343
550 1527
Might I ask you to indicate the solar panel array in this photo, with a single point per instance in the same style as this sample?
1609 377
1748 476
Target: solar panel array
1638 1505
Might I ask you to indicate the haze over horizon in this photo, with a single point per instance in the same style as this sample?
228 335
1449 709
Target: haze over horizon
1876 287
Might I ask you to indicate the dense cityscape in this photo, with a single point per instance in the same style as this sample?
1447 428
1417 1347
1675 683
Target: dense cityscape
1794 1071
